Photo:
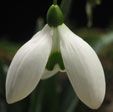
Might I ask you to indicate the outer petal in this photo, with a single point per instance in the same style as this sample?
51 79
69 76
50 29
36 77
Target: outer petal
83 67
28 65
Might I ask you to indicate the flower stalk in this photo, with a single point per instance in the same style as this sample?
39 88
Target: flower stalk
55 2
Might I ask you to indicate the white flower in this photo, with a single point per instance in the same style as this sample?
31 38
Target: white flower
51 50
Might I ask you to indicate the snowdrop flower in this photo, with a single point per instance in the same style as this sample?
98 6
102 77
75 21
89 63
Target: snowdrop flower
56 48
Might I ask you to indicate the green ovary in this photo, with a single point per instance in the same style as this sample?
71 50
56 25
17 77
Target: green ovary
55 58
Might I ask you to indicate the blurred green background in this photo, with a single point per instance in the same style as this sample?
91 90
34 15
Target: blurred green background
90 19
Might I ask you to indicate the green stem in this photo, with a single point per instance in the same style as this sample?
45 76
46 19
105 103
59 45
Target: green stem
55 2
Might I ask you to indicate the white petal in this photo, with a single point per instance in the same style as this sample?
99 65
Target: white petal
28 65
83 67
47 74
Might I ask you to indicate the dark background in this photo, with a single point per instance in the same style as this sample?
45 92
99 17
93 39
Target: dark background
18 23
18 19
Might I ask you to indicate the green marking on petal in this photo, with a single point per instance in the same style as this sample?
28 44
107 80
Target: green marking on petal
55 58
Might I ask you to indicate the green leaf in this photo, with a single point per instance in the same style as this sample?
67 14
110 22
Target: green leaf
45 96
69 100
65 7
36 98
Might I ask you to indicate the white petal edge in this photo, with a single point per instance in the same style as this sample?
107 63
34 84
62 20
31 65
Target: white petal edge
83 67
28 65
47 74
